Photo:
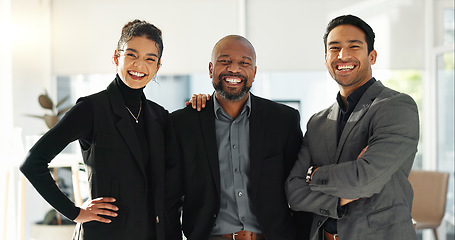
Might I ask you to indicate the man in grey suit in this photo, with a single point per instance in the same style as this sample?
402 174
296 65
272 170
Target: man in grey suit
352 170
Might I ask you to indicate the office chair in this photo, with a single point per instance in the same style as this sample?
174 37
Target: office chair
430 193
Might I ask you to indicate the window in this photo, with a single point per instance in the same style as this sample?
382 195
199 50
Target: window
445 127
443 75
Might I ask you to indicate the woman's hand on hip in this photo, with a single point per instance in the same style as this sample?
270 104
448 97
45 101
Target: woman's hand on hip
93 209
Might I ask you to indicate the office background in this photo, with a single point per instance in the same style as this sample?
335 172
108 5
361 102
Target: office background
65 48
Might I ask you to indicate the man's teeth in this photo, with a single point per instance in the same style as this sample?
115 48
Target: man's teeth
345 67
233 80
137 74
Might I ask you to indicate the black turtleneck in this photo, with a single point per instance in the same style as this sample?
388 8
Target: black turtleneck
77 124
132 97
135 101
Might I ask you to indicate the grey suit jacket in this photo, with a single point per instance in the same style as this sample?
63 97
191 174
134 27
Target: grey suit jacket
387 122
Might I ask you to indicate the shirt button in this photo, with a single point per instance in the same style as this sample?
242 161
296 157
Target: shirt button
243 218
240 194
236 170
214 215
234 146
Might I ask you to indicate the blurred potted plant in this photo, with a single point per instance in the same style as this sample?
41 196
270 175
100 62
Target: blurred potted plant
46 102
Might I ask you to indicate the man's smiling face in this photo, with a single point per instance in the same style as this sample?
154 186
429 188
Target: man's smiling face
347 58
232 69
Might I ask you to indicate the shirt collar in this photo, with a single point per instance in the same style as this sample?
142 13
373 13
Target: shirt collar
355 96
217 107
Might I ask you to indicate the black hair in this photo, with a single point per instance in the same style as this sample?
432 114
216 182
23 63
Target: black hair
354 21
138 28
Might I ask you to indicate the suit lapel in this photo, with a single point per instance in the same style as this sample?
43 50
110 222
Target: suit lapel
359 111
207 121
257 130
124 125
155 136
330 132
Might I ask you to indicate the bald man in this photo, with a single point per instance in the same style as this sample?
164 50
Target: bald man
236 155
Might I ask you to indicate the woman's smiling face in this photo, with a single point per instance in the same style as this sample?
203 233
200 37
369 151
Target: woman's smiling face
137 62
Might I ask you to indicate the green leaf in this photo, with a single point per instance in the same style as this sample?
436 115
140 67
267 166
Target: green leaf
50 217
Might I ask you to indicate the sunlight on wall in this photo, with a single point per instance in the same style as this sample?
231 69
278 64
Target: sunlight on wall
6 121
7 135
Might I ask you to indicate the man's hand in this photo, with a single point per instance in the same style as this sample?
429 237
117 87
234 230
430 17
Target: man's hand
346 201
198 101
91 210
362 152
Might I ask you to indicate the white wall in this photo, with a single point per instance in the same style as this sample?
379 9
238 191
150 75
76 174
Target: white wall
30 71
287 34
31 61
85 32
6 99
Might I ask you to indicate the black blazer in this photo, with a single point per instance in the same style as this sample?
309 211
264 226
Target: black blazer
275 138
117 168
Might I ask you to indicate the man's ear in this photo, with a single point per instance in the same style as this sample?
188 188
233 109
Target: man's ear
373 55
210 69
115 58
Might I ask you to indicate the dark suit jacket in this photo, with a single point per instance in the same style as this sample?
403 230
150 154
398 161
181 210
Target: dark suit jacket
275 139
387 122
117 168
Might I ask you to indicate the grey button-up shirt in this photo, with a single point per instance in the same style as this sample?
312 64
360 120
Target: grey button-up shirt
233 140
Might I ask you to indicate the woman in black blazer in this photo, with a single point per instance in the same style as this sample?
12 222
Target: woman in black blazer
124 144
